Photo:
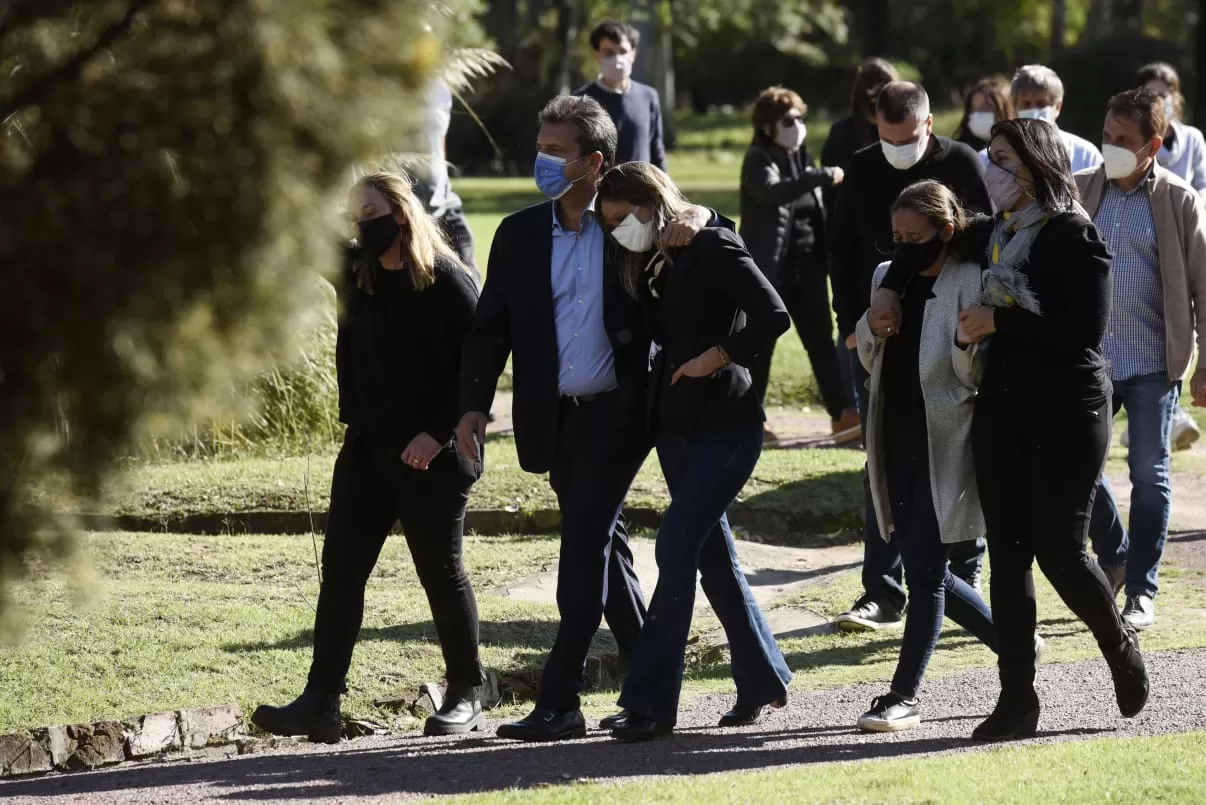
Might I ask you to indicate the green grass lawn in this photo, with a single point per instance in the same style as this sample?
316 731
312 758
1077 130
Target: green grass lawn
1127 770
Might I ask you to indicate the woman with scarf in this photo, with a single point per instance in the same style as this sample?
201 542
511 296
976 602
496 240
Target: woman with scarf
1042 416
711 311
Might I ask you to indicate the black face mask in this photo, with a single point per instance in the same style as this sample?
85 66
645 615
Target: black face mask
378 234
917 257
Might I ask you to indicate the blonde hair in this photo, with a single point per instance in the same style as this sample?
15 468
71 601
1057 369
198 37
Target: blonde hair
642 185
422 241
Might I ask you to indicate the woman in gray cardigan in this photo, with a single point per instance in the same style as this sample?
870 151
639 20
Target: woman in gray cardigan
923 484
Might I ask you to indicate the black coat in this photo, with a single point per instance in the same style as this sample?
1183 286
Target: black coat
773 184
515 318
713 295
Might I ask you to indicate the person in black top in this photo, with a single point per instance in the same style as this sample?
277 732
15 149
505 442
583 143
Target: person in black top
986 103
1045 306
406 303
860 238
783 226
712 311
857 130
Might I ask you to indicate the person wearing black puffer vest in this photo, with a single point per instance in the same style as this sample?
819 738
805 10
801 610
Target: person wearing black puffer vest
407 304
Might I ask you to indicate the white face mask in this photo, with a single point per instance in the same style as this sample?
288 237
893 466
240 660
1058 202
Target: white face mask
980 124
1119 162
791 135
634 235
903 157
1044 113
616 69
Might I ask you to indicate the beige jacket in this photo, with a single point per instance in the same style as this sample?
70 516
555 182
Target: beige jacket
949 379
1180 221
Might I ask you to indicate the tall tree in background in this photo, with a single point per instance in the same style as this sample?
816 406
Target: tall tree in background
166 170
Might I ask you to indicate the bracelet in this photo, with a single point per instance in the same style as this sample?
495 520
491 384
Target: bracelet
724 356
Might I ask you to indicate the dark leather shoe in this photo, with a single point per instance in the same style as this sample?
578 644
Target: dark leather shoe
546 724
313 714
1014 718
611 722
741 716
1131 684
461 713
639 728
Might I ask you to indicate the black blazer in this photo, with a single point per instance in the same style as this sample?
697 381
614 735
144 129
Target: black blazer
515 317
714 295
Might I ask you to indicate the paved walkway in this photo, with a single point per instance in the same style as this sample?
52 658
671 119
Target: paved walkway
814 728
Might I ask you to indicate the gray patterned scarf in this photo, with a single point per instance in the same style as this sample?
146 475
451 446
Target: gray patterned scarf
1009 249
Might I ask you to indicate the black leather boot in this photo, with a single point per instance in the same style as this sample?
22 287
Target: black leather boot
313 714
462 712
1015 717
1131 684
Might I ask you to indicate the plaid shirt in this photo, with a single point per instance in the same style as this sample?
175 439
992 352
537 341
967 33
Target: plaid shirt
1134 342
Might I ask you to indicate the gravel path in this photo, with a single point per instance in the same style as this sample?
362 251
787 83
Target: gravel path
814 728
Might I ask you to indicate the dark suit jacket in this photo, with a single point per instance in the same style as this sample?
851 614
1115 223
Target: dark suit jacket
713 295
515 317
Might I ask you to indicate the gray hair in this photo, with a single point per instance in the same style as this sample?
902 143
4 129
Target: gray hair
595 129
1038 78
899 99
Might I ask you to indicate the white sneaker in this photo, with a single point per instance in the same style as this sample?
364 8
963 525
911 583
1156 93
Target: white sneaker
1184 430
1039 647
1139 612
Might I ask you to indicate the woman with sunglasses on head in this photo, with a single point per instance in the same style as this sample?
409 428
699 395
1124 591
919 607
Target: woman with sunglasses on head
711 311
406 305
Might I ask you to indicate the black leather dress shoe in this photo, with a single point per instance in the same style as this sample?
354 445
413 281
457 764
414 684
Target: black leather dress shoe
313 714
461 713
545 724
639 728
741 716
611 722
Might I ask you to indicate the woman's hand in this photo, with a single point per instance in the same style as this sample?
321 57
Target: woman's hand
976 324
685 226
836 174
421 450
702 365
884 323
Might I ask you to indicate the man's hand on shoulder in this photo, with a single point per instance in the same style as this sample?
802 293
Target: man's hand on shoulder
685 226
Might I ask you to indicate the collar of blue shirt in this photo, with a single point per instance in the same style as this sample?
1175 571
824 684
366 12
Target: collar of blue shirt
558 229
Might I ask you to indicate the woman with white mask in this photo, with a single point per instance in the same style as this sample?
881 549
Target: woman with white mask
711 311
986 103
783 226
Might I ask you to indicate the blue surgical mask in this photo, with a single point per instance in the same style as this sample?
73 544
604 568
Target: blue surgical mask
549 172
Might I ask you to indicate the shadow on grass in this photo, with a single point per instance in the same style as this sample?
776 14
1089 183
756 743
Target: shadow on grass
416 766
793 513
511 634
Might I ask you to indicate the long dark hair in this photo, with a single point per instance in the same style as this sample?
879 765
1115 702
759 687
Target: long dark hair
996 89
1042 152
871 77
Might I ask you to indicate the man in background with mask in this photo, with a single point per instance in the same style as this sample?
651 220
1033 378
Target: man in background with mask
580 345
860 239
1155 225
1039 93
634 107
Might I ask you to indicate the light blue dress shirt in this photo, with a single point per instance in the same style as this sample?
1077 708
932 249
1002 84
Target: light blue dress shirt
586 364
1187 156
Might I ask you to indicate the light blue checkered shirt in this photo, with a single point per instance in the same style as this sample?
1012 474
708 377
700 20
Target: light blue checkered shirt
1134 342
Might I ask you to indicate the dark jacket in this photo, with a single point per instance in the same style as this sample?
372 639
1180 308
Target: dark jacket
398 350
713 295
774 184
846 137
860 231
515 318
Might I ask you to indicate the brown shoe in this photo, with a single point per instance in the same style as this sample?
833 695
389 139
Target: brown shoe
848 428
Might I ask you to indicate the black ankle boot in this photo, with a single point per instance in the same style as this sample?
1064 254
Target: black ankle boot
1015 717
462 712
1130 675
313 714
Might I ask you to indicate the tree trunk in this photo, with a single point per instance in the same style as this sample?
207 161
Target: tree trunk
667 89
567 36
876 19
1059 26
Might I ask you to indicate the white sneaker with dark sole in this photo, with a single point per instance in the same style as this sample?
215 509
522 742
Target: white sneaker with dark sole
868 615
1185 430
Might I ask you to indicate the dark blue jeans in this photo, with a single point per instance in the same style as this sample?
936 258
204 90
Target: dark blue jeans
883 573
704 474
1150 401
934 592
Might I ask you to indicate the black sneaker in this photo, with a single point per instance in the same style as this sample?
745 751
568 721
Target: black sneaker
868 615
891 713
1139 612
1131 684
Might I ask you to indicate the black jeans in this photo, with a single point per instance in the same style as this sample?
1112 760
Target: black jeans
1037 476
883 572
460 238
805 292
601 446
370 491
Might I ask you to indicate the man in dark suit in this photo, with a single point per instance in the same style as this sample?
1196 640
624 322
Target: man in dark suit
580 349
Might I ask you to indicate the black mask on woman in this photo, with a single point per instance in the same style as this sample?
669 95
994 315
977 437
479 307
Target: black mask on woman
917 257
378 234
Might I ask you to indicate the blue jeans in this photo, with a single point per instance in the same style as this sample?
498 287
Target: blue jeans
1150 401
704 474
934 592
